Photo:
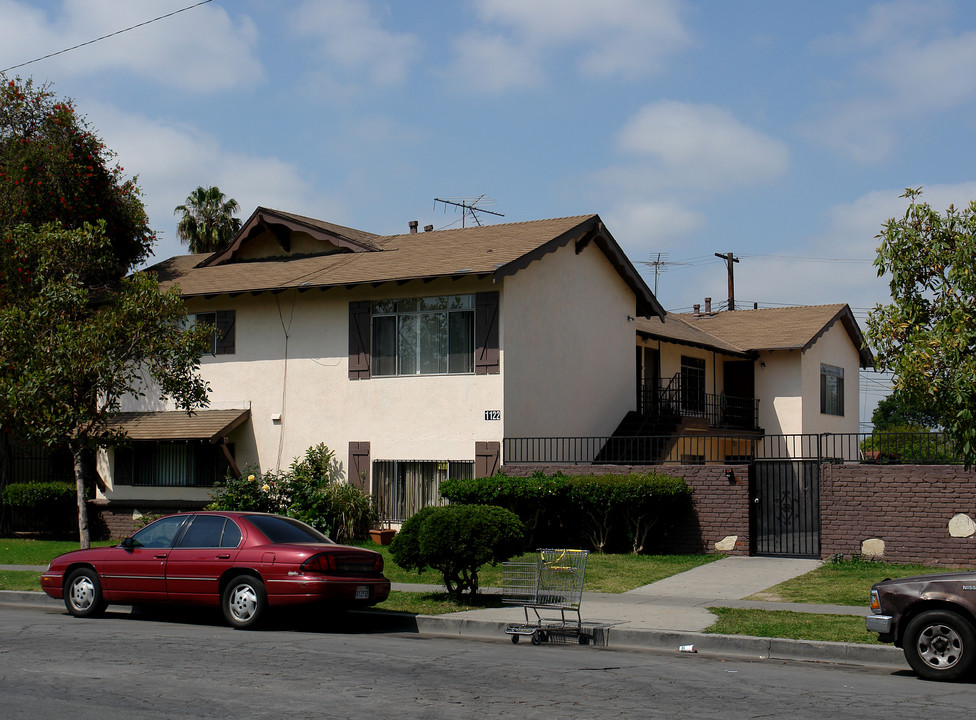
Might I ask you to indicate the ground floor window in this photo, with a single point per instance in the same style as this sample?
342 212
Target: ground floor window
170 464
402 487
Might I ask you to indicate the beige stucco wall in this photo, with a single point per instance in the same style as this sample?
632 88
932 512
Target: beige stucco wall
833 348
568 346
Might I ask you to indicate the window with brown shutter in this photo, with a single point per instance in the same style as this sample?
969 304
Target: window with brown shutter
359 465
486 356
359 340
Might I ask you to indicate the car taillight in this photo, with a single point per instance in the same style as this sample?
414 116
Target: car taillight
875 601
378 564
319 563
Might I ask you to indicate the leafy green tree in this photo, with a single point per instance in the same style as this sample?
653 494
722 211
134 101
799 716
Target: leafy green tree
70 351
926 335
898 411
54 168
207 223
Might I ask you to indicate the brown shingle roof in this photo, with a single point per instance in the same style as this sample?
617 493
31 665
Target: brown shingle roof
491 250
792 328
177 425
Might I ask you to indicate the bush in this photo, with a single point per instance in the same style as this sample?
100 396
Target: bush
457 540
311 491
603 511
40 495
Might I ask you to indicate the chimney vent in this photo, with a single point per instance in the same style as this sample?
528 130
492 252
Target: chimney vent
708 306
697 309
428 228
413 226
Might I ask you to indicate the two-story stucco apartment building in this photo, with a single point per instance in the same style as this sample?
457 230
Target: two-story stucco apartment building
414 356
411 356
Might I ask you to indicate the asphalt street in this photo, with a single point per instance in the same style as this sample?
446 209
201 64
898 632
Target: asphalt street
189 665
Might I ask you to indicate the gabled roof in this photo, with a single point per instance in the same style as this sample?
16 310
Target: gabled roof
749 331
494 251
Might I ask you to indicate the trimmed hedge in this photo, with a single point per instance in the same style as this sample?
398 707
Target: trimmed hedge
604 512
40 495
456 540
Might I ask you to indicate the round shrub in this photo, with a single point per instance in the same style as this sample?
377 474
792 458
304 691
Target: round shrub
457 540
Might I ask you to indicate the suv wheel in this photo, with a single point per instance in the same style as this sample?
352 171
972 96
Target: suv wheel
940 645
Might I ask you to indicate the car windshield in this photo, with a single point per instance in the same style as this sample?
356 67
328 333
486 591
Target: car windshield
286 530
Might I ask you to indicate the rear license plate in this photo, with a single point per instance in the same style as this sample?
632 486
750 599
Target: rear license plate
362 592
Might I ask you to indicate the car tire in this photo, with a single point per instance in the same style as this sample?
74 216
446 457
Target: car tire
940 645
244 601
83 594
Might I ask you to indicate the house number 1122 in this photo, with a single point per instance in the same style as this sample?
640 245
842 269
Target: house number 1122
493 414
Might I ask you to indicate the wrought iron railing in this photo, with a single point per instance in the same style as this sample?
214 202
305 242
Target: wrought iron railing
907 448
720 410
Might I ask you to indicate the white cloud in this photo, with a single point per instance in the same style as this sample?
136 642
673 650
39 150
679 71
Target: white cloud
352 40
611 39
200 50
646 226
171 160
493 64
700 146
909 61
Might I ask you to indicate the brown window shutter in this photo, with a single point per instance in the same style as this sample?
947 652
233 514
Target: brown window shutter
359 465
486 457
486 333
359 340
225 322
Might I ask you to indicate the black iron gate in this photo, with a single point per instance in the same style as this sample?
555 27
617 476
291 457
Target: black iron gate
785 512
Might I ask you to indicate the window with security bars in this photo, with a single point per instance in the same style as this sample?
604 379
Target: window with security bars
402 487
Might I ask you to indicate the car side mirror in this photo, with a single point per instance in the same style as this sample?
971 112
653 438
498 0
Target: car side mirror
128 543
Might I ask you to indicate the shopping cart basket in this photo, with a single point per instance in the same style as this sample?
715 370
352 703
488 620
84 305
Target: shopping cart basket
550 585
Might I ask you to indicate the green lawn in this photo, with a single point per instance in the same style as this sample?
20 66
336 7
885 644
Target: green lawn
793 625
841 583
18 551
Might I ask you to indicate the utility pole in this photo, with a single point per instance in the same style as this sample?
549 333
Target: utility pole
729 258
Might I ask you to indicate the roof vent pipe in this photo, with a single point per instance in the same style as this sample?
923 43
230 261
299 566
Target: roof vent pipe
428 228
708 306
697 309
413 226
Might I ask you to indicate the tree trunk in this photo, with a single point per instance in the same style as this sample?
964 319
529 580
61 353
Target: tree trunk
77 455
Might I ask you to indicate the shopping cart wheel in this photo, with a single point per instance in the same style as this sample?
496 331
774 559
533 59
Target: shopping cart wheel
515 639
583 639
536 638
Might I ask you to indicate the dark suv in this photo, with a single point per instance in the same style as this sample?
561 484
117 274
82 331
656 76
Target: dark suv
932 618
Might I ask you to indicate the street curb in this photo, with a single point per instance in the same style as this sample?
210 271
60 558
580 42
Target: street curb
613 638
703 644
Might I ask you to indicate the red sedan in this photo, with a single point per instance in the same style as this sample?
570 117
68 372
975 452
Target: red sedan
243 562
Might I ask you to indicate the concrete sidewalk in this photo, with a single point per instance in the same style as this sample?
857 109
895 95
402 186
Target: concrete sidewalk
662 616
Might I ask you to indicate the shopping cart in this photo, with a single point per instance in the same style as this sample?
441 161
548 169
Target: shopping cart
550 585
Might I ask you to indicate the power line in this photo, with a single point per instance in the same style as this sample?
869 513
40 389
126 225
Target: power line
105 37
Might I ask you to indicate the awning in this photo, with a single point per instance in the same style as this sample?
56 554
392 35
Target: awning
211 425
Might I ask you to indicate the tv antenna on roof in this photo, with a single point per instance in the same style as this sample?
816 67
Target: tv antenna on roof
469 205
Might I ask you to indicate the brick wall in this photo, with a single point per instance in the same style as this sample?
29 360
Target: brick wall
720 509
908 507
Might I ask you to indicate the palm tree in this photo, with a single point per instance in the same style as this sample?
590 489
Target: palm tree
207 224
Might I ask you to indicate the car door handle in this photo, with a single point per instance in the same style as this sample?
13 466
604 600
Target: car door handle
160 556
223 557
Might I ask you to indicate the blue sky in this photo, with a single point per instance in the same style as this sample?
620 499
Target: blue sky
783 132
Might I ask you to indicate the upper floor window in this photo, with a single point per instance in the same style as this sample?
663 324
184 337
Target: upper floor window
423 336
222 340
831 390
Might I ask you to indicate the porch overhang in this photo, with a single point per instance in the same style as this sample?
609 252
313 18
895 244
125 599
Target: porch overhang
176 425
